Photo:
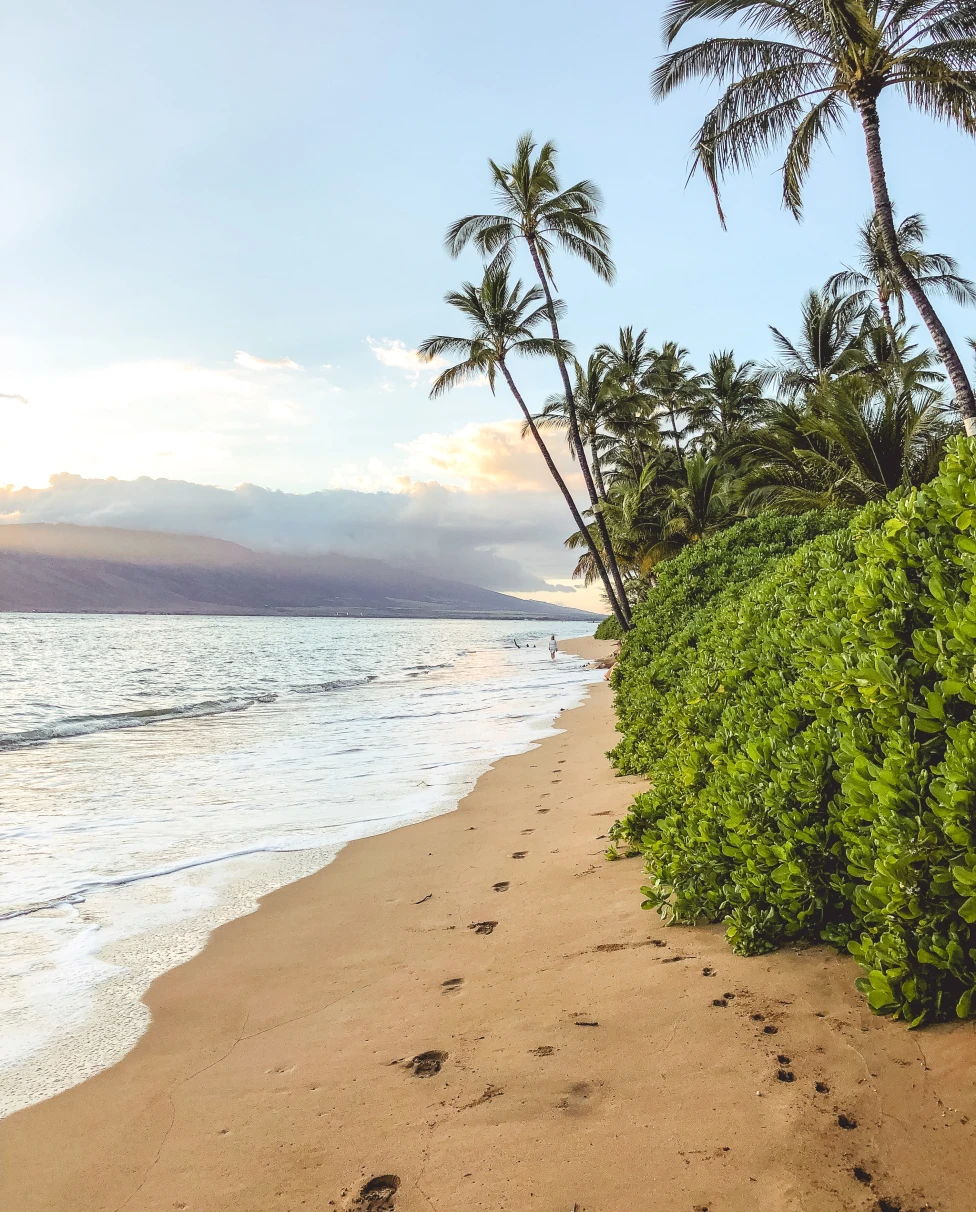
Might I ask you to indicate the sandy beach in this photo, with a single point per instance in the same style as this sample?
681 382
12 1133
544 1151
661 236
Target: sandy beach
473 1013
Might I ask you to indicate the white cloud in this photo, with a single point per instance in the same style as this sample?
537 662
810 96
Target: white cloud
250 362
396 355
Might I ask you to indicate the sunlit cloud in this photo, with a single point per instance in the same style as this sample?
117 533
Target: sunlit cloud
250 362
488 458
397 356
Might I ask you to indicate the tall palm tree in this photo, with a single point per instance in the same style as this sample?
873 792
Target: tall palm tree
830 345
536 210
839 55
935 272
503 320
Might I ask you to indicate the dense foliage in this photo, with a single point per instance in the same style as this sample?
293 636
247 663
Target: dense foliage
811 749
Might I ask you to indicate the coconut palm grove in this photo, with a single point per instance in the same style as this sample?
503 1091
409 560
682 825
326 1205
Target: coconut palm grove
787 547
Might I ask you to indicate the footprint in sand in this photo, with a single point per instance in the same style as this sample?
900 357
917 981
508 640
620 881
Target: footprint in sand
542 810
455 983
524 831
578 1099
501 886
378 1195
482 927
428 1063
520 854
543 1050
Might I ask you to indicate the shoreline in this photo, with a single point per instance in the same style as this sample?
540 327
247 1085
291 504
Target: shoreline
89 1011
568 1053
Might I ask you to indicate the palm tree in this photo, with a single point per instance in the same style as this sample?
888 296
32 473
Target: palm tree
854 443
830 345
673 386
697 507
935 272
839 54
503 320
537 211
633 417
732 397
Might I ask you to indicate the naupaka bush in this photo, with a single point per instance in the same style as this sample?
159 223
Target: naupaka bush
812 758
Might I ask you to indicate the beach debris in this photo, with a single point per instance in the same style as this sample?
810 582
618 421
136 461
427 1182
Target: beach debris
428 1063
675 959
846 1121
610 947
482 927
378 1194
542 1050
582 1023
424 898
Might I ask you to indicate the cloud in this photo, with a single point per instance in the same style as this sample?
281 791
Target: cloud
6 395
491 539
250 362
396 355
489 458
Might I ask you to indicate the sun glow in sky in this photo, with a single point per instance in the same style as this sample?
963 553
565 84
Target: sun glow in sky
222 223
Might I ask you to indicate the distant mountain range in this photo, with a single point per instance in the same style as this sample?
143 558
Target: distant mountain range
63 568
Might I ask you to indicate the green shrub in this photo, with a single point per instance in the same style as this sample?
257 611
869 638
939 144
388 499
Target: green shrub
668 622
608 629
813 759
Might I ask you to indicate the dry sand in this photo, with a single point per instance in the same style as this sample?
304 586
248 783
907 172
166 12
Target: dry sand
579 1055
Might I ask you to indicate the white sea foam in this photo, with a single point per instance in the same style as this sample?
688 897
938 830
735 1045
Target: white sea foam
124 847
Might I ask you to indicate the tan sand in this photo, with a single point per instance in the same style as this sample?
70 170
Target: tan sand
583 1061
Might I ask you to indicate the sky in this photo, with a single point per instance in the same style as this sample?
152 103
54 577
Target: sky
221 229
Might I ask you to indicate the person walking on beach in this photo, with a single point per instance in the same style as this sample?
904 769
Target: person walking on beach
552 647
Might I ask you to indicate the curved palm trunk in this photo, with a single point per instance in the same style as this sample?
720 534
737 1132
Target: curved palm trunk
621 593
597 469
965 401
567 495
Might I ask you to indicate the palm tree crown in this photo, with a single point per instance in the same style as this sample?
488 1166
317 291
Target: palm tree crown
533 207
840 53
874 272
503 321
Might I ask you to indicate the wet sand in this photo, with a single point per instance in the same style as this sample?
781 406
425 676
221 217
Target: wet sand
473 1013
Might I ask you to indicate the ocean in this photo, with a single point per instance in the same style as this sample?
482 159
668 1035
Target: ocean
159 774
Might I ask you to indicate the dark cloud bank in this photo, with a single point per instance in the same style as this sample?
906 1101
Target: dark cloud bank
487 539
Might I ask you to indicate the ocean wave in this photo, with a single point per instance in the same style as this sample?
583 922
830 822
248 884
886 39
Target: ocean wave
335 684
85 725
